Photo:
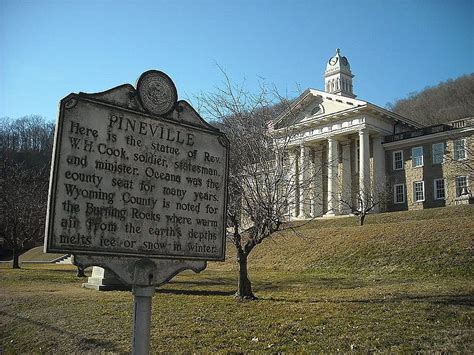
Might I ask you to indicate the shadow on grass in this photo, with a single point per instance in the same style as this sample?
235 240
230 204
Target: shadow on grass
72 272
259 285
194 292
447 300
89 344
199 285
206 282
25 269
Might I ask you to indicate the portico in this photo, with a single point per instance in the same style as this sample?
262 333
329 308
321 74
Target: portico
332 169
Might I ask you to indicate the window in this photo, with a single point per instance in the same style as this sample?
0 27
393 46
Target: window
399 193
416 156
460 149
461 183
316 110
438 152
398 160
439 193
419 191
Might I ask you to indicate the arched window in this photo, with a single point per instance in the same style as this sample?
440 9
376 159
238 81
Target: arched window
315 110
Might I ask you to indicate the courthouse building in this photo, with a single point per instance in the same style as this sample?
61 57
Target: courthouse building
350 150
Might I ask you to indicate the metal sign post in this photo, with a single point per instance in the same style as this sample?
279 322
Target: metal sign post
142 297
139 187
144 274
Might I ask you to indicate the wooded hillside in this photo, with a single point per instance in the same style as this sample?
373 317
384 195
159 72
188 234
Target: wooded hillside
25 155
447 101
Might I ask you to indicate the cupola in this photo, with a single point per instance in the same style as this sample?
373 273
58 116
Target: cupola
338 76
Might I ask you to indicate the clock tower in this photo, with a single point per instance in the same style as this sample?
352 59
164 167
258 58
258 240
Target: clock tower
338 76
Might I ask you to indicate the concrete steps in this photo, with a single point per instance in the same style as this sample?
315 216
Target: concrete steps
65 259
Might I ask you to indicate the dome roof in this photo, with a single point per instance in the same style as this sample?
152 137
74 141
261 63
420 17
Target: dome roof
338 63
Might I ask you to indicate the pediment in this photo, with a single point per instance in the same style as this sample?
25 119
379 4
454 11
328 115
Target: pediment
313 104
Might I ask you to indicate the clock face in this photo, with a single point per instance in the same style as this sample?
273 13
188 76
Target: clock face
333 60
344 60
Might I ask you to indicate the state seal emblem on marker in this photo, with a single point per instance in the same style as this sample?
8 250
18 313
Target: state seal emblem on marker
157 92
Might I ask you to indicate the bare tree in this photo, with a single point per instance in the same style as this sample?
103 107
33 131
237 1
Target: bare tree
25 153
370 198
460 152
261 189
23 193
466 164
26 134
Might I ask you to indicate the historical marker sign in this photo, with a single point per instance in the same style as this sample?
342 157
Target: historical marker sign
143 179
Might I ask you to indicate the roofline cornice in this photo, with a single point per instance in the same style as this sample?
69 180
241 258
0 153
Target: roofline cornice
360 106
394 115
293 106
427 138
322 119
336 97
328 74
367 108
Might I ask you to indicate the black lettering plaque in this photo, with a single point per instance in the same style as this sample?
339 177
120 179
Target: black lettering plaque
126 181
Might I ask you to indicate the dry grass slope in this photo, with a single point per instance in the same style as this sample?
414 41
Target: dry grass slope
37 254
435 241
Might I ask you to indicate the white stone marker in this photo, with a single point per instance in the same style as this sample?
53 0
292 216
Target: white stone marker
104 280
138 187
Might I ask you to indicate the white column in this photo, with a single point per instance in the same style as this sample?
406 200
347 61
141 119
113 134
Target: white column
317 182
346 183
332 176
378 186
277 160
364 166
292 182
301 180
311 186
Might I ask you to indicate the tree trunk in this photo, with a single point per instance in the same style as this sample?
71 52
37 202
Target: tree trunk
361 219
244 287
16 259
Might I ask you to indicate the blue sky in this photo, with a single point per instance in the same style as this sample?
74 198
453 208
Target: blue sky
51 48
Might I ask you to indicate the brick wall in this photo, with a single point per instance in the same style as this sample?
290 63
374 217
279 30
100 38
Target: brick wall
427 173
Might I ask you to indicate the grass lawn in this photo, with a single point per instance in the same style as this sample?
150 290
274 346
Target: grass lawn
386 286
